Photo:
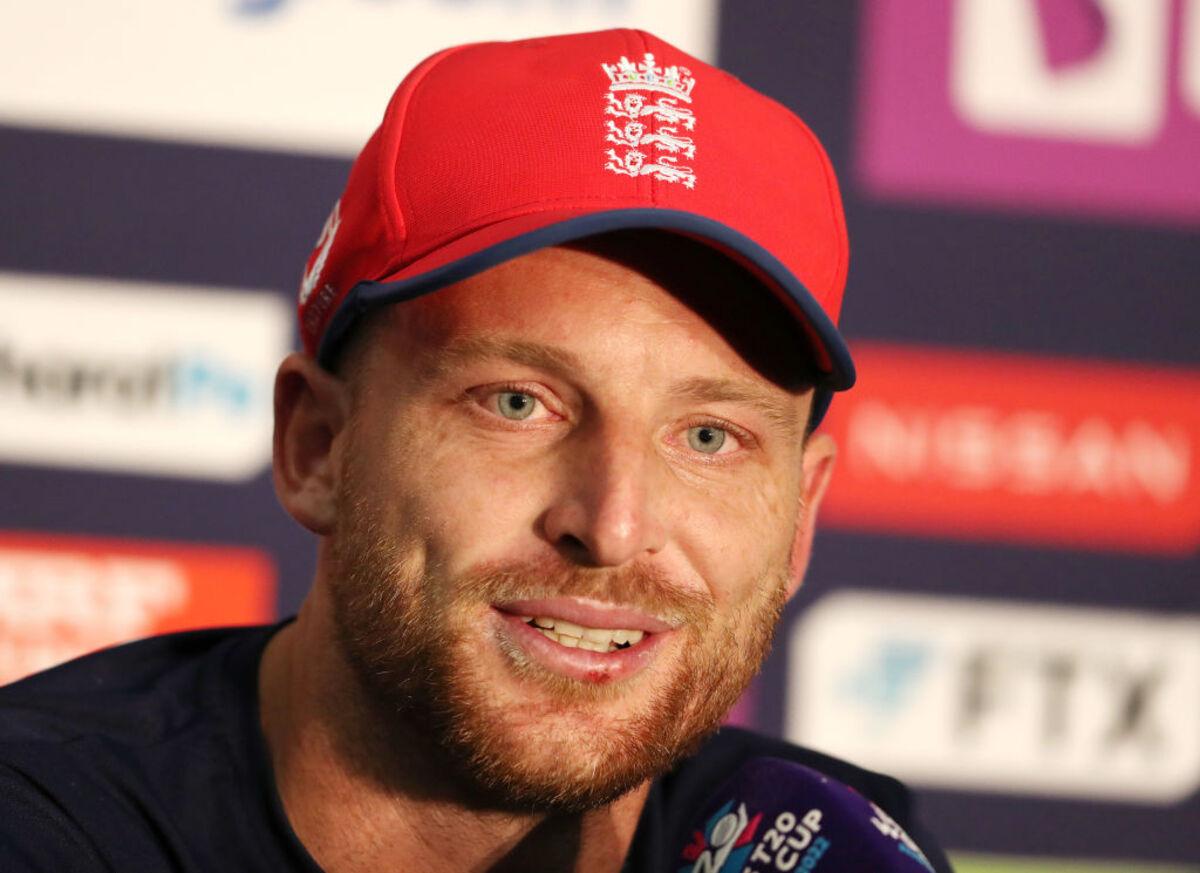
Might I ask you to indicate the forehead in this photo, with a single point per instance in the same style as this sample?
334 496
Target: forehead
637 287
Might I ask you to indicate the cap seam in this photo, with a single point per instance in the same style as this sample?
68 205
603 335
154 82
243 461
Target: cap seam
642 37
840 268
388 159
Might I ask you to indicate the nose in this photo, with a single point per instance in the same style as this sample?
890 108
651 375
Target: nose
606 512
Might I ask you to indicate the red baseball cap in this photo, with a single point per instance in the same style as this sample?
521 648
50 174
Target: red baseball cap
492 150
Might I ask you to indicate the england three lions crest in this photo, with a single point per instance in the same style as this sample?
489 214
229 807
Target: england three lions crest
648 120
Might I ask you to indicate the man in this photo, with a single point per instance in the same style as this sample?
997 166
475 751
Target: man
567 334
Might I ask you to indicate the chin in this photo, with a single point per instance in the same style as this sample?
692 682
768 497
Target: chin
558 764
560 746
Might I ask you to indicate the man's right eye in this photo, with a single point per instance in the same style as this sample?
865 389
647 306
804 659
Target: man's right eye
515 405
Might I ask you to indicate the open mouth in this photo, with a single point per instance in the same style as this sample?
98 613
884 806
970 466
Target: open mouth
588 640
576 636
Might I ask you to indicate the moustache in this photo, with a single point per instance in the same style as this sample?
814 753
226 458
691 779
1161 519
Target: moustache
637 586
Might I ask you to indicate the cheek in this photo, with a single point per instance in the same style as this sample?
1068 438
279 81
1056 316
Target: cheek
465 501
735 537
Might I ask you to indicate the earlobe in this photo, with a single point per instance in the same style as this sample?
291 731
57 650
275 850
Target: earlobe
819 455
312 407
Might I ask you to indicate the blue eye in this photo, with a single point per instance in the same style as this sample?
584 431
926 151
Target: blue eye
706 438
515 405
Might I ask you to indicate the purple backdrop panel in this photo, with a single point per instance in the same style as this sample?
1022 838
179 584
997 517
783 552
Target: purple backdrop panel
1061 105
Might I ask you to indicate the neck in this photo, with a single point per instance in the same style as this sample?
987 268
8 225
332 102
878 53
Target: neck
360 797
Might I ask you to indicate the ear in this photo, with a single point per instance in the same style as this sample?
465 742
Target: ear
312 407
819 454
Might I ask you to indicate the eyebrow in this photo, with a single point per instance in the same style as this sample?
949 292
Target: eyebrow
779 411
465 350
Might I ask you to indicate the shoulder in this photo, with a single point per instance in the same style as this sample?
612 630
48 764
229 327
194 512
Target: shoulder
133 693
101 758
36 834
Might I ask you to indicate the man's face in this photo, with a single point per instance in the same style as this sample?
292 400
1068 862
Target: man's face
564 441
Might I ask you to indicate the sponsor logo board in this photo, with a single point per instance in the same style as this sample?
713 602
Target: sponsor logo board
309 75
138 378
997 696
1027 449
63 596
1089 106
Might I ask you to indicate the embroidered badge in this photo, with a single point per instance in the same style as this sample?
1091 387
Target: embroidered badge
312 276
644 99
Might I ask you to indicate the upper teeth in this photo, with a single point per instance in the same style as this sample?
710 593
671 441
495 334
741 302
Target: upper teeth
594 639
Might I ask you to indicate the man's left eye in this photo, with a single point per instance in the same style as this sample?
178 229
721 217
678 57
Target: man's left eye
515 405
710 439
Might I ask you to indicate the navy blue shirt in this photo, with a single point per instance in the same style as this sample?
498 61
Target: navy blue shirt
149 757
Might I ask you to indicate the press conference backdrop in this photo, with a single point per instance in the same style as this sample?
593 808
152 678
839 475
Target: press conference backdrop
1004 605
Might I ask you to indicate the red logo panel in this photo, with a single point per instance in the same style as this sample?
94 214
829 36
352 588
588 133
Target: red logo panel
63 596
978 445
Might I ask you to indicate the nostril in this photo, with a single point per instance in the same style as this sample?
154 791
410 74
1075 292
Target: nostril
575 550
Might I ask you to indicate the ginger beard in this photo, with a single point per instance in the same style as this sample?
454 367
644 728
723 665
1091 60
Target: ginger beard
413 638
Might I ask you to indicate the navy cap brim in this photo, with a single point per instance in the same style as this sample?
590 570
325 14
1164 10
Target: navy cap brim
369 295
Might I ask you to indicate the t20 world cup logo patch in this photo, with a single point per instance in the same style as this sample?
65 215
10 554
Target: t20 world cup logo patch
722 847
730 842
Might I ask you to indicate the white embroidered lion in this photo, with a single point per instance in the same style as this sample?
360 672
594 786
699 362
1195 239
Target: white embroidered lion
633 163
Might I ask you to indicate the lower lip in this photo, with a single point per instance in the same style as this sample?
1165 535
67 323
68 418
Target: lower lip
586 666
